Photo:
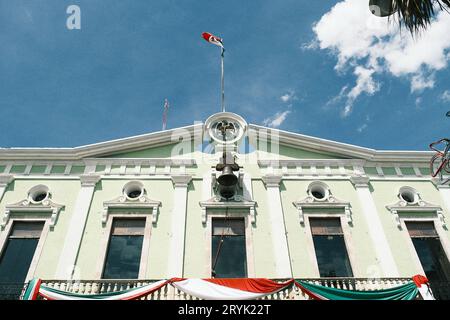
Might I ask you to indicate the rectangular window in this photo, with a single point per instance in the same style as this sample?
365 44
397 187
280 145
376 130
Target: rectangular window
229 254
430 251
125 248
329 245
19 251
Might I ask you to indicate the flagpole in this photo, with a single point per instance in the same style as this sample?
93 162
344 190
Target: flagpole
223 89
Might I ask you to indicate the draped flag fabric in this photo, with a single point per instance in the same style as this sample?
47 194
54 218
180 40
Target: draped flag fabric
230 289
239 289
212 39
404 292
54 294
423 286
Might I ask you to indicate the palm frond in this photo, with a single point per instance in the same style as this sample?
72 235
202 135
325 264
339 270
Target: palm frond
416 15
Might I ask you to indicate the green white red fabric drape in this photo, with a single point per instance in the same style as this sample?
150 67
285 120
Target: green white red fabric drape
238 289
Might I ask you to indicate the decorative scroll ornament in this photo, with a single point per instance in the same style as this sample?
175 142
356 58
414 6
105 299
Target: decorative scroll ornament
419 206
123 202
30 207
237 202
329 202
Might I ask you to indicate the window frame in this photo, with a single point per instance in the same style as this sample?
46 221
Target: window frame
348 241
106 236
248 241
5 234
445 243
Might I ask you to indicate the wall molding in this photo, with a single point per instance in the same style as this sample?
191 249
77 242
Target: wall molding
122 202
47 206
239 202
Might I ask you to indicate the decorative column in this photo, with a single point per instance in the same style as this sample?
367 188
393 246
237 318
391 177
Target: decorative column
75 231
278 228
5 180
375 228
444 190
178 225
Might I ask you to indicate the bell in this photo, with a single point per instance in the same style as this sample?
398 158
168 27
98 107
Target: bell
227 178
227 182
382 8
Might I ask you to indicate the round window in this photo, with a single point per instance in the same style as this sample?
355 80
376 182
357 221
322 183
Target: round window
408 194
318 190
318 194
133 190
38 194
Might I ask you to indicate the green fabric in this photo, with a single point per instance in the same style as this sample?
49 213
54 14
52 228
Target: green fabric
90 296
404 292
28 291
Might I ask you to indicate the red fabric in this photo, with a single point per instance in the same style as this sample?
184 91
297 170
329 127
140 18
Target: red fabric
255 285
36 290
210 38
419 280
206 36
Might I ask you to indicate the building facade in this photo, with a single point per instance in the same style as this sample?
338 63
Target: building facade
151 207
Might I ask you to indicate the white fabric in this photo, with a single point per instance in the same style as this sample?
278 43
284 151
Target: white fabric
207 290
57 296
425 292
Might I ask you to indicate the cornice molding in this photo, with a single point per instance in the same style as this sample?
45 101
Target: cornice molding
438 183
28 207
331 202
360 181
6 179
420 207
196 131
272 180
103 148
239 202
122 202
89 180
333 147
181 180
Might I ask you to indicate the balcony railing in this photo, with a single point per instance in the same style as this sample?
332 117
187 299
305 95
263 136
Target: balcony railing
171 293
12 291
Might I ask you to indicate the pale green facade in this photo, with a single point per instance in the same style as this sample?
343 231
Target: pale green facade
151 161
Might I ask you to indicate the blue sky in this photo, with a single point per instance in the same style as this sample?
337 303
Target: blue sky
290 64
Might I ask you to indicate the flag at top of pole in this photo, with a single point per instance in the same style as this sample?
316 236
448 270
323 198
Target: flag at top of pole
218 42
212 39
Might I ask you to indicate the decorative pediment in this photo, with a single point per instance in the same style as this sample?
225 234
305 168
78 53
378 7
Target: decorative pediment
123 202
420 206
238 202
30 207
329 202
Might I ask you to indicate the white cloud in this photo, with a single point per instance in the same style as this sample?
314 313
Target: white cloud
418 102
420 82
371 46
445 96
361 128
288 96
276 120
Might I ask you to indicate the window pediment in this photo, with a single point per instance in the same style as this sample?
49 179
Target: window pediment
124 202
238 202
28 206
420 207
329 202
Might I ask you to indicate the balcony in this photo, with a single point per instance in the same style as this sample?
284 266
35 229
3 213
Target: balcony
12 291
